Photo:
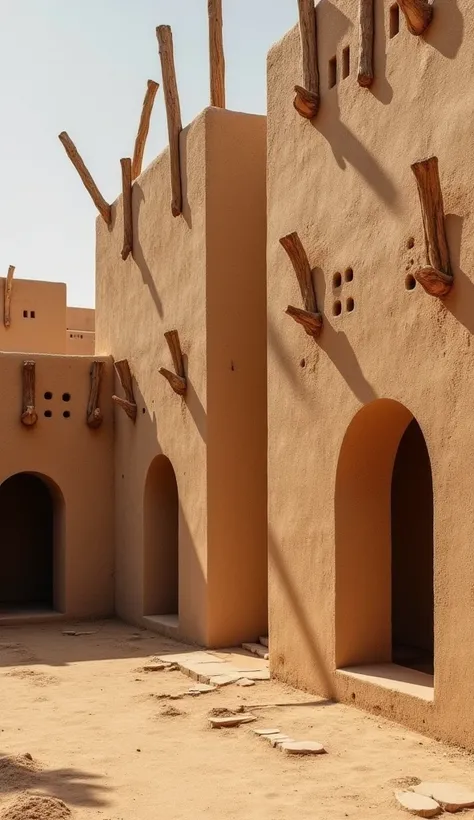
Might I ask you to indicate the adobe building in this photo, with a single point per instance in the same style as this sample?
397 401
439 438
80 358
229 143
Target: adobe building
370 438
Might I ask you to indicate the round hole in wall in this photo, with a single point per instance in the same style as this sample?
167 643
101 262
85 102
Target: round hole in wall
48 414
303 363
410 282
348 275
350 304
48 395
353 696
337 280
66 414
411 243
66 397
337 308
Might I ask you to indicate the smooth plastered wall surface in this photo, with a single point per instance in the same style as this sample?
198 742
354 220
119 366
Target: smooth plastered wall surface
173 282
80 337
344 182
38 317
76 462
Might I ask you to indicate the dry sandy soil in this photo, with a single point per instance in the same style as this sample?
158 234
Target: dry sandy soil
104 743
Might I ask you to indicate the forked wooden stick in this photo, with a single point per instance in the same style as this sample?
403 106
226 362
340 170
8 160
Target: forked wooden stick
216 53
143 128
173 114
436 277
127 248
310 318
177 379
128 404
7 301
418 15
306 101
365 76
94 415
29 416
102 206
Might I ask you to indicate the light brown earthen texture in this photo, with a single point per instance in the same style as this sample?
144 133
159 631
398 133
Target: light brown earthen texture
339 406
197 463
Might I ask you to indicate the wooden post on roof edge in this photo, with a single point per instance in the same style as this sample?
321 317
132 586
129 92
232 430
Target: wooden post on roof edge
306 100
216 53
7 299
126 165
143 128
128 404
102 206
173 114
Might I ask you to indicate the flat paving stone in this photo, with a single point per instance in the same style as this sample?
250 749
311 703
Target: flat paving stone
303 747
256 649
418 804
278 740
245 682
451 796
223 680
266 732
264 641
201 689
258 674
229 722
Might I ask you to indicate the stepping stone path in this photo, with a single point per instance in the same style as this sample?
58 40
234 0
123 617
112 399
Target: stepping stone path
245 682
230 721
302 747
278 740
418 804
451 796
263 732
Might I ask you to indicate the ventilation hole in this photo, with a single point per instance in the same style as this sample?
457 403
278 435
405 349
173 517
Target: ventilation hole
411 243
348 275
32 314
337 280
303 363
25 314
48 414
394 20
66 397
66 414
349 304
346 62
353 696
332 72
143 410
48 396
410 282
337 308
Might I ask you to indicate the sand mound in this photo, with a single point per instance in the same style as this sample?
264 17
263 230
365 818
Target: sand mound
17 772
34 807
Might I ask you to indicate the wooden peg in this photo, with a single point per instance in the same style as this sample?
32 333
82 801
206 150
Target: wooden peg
126 165
216 53
177 379
94 414
8 296
306 101
102 206
312 322
128 404
310 317
173 114
29 416
436 276
418 15
365 75
143 128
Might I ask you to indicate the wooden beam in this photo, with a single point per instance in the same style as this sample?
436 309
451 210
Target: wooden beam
102 206
365 75
128 404
177 379
436 277
306 101
418 15
216 53
173 114
297 254
7 299
29 416
127 248
94 414
143 128
312 322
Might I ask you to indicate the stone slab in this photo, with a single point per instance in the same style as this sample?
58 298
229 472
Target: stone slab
303 747
278 740
418 804
258 674
201 689
256 649
229 722
245 682
223 680
264 641
451 796
266 732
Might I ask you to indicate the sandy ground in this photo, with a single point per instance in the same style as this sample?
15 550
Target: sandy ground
103 742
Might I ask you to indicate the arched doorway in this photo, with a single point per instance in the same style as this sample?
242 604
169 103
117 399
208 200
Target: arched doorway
27 543
161 510
384 541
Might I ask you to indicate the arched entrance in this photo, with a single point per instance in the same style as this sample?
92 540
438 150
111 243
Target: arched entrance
161 510
28 529
384 541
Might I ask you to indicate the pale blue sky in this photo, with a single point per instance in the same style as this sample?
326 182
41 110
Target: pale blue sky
81 66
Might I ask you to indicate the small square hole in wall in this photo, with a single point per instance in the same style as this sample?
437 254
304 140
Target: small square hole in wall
25 314
394 20
332 72
48 414
337 308
350 304
32 314
346 62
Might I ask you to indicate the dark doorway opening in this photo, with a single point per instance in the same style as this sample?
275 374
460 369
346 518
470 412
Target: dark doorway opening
161 539
26 543
412 553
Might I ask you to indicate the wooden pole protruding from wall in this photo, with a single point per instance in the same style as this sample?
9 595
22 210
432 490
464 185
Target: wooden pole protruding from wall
436 277
177 379
418 15
128 404
310 317
216 53
365 74
94 414
173 114
7 299
29 416
102 206
143 128
126 165
306 101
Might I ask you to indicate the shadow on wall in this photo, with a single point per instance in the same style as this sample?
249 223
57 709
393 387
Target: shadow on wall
293 601
73 786
460 300
446 31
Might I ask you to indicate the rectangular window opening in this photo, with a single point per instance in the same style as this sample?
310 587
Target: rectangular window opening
25 314
346 62
32 314
394 20
332 73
